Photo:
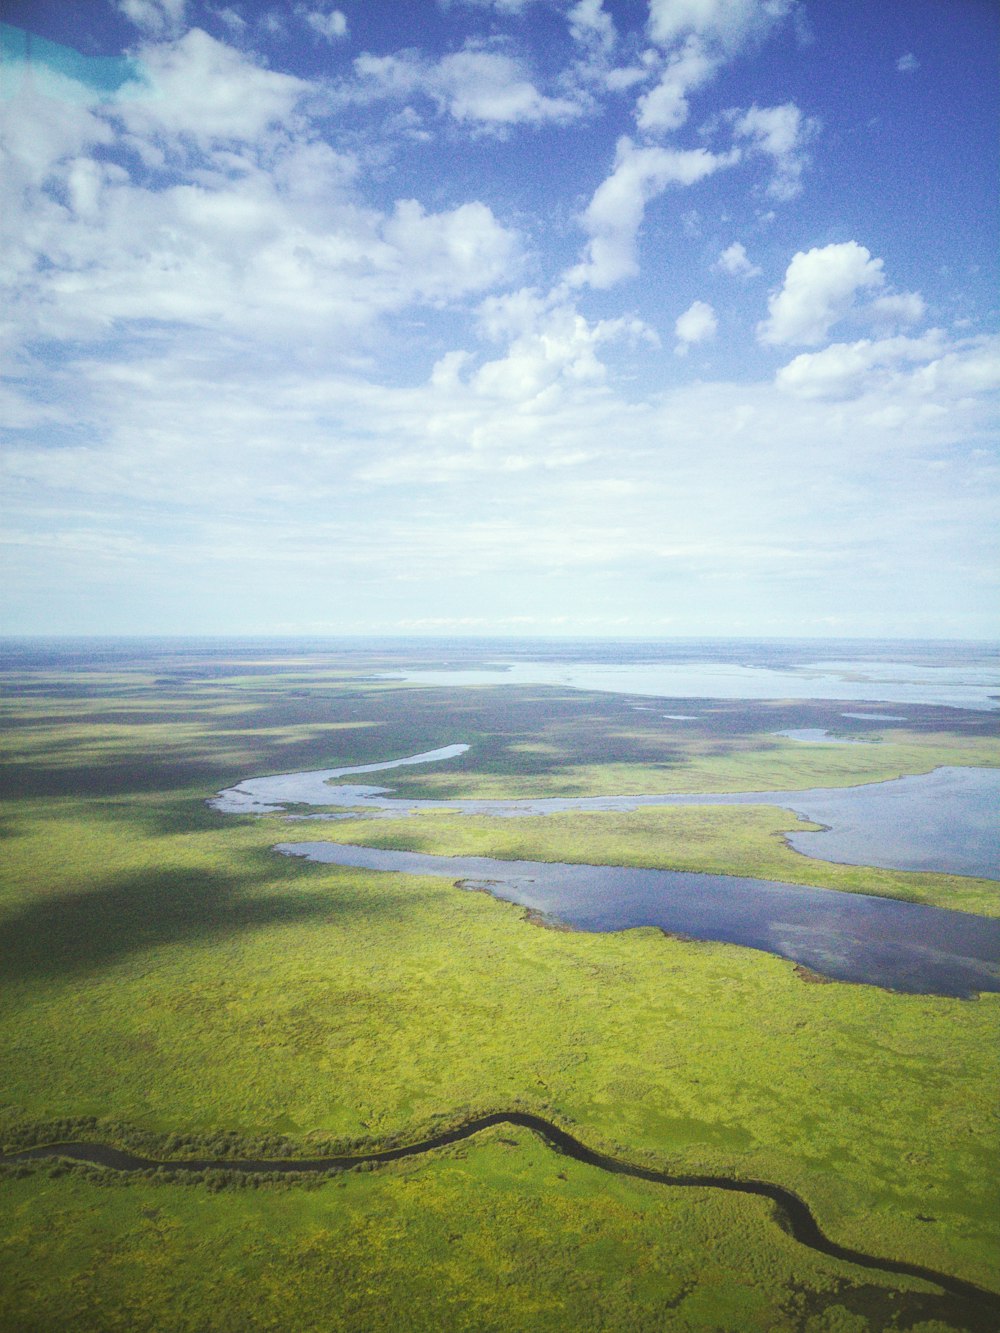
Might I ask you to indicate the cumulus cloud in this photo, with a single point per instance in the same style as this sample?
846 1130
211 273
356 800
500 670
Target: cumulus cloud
821 288
843 370
914 368
614 215
470 85
254 223
735 261
781 133
697 324
907 64
201 90
200 285
665 107
552 344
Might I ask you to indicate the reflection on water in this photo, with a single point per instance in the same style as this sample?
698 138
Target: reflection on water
848 937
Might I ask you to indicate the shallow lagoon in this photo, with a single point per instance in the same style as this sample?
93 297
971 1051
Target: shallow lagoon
847 937
944 820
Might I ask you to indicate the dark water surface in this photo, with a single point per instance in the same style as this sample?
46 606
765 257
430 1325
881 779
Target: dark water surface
848 937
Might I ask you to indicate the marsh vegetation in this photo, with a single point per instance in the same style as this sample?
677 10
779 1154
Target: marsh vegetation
173 986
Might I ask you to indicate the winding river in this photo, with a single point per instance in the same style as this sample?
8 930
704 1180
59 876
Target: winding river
794 1214
944 821
911 946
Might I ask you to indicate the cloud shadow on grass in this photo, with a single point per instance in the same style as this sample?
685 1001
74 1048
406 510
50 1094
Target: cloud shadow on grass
77 933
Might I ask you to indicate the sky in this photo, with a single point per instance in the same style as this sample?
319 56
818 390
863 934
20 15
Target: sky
500 317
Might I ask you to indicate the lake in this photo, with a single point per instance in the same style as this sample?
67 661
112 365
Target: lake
955 686
847 937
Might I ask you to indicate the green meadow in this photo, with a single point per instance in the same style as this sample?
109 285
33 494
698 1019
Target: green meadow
173 985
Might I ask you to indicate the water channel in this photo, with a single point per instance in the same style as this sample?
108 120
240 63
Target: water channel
944 820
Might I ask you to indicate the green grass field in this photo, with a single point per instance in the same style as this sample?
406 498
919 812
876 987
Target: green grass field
172 984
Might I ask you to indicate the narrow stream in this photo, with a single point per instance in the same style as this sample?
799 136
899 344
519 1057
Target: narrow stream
980 1308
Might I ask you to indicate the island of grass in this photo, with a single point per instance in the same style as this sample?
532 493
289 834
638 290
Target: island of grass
173 986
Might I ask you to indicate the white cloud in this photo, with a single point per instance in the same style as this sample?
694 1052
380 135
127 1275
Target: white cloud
665 107
697 324
895 310
203 90
234 21
726 23
819 290
905 368
591 24
355 486
551 345
329 24
908 63
734 261
501 6
781 133
615 213
843 370
627 76
481 85
155 18
439 256
206 374
471 85
262 228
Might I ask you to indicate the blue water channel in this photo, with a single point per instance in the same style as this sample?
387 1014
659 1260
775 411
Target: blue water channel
941 821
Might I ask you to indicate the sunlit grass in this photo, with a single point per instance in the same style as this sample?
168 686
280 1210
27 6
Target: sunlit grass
165 973
498 1235
723 840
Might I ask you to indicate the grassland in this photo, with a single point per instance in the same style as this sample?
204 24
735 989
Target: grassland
709 839
501 1235
171 983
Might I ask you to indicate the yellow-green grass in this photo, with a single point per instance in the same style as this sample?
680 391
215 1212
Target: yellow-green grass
499 1235
721 840
755 763
124 732
169 981
168 974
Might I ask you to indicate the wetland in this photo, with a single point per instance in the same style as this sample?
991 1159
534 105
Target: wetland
267 1008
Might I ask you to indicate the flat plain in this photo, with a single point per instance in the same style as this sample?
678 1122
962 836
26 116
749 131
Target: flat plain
174 986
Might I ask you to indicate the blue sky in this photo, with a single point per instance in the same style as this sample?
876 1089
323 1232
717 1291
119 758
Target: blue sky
532 317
